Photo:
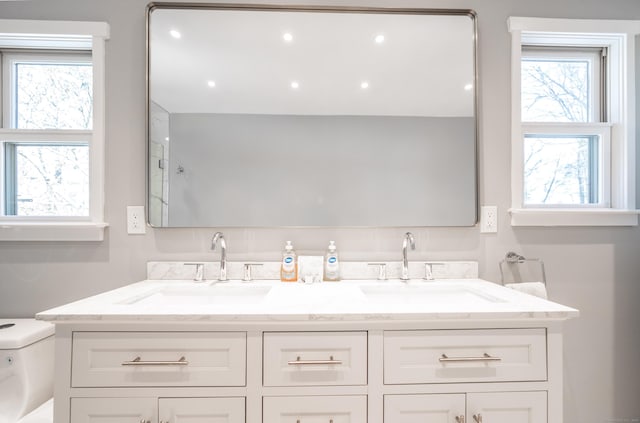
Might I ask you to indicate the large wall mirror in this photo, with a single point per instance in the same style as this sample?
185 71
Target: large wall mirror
264 116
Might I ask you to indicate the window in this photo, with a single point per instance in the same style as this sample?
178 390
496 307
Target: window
565 154
47 91
52 131
572 122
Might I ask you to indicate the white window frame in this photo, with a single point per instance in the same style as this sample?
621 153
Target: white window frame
63 35
618 37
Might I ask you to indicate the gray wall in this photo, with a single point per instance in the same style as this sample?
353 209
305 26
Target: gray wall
596 269
283 170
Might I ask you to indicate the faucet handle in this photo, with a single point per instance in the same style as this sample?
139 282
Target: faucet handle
247 270
382 270
428 270
199 276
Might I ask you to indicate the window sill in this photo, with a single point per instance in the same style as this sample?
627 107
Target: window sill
52 231
573 217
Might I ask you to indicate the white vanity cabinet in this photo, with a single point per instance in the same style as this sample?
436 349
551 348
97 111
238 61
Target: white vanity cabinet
309 354
335 373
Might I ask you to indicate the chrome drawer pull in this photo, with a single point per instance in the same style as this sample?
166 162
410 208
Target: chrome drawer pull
313 362
477 418
137 362
485 357
460 419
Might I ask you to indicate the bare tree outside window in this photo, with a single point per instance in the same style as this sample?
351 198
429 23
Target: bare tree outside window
54 96
51 179
558 169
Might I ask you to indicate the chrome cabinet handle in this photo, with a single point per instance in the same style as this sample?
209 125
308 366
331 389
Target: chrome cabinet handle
485 357
298 361
477 418
460 419
145 421
138 362
330 421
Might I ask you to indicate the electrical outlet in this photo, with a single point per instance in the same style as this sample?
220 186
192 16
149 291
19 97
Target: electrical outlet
135 220
489 220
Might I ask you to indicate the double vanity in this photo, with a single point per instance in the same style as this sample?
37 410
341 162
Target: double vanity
444 350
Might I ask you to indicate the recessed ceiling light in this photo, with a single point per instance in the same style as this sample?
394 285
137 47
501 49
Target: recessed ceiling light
287 37
211 84
379 38
175 34
468 87
364 85
295 85
166 138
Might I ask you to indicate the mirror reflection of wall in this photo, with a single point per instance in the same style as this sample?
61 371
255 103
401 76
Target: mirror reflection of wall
158 159
287 117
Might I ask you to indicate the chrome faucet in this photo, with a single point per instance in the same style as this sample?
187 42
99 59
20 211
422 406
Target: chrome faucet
218 236
408 240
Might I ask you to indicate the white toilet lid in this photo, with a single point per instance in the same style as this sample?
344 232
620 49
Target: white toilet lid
18 333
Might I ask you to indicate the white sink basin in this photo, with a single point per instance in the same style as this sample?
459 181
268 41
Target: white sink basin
201 294
427 293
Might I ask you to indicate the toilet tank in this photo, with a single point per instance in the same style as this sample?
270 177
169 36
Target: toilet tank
26 366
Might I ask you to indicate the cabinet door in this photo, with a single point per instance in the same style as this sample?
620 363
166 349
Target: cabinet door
315 409
201 410
113 410
507 407
428 408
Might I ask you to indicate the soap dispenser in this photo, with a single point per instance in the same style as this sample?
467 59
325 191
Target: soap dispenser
289 266
331 264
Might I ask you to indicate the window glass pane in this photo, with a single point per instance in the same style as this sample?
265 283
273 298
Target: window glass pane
51 180
53 95
556 90
561 170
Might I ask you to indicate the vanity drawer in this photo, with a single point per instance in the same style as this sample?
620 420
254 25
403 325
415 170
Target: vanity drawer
158 359
307 409
453 356
315 358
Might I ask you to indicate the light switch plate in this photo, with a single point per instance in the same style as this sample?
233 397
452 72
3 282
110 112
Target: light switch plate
489 220
135 220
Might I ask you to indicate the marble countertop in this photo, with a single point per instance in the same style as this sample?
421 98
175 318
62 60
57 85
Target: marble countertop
268 300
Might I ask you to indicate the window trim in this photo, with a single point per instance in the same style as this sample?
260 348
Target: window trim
66 35
617 36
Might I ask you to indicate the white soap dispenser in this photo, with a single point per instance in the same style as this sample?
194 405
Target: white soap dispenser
331 264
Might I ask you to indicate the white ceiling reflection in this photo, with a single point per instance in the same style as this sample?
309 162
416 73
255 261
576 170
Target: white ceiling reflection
412 65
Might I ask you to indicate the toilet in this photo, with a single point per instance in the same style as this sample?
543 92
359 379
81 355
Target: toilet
26 369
